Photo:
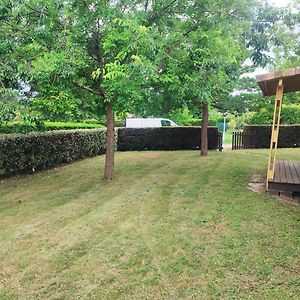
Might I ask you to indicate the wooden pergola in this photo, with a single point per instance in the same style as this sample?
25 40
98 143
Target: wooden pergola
282 176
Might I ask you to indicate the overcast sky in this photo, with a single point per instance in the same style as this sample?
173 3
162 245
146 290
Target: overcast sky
279 3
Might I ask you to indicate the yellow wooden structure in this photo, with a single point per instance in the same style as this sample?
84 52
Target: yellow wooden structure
275 131
282 176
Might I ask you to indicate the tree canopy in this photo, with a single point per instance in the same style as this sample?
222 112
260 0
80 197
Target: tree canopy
70 59
190 50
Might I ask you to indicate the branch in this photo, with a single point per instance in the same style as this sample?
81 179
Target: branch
45 12
164 9
146 5
100 93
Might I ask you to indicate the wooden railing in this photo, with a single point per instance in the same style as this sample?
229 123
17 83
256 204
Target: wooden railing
220 141
242 140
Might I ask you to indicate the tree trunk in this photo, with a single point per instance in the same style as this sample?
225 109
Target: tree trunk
110 143
204 138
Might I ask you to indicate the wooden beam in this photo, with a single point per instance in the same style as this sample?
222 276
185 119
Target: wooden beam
275 132
268 82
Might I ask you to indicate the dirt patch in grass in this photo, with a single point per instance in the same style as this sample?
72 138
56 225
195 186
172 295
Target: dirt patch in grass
257 184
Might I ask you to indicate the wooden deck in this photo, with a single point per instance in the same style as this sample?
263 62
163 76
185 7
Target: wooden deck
287 177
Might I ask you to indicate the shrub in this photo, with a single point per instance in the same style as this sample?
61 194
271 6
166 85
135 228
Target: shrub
197 122
232 124
119 123
7 113
182 117
165 138
69 125
21 127
36 151
92 121
290 114
243 119
17 127
289 135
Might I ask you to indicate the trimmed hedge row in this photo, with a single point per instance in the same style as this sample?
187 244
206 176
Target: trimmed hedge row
36 151
18 127
289 135
42 150
165 138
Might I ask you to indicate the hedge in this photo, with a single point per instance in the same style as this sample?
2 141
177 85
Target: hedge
36 151
18 127
70 125
26 153
289 135
165 138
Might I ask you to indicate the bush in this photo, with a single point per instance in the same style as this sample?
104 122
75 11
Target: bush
69 125
290 114
289 135
165 138
20 127
7 113
36 151
232 124
243 119
17 127
92 121
197 122
26 153
182 117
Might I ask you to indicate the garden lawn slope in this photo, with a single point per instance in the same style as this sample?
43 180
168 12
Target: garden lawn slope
171 225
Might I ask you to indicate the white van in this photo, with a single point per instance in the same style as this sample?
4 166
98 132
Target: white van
149 122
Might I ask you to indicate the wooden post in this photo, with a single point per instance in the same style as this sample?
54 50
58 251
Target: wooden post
275 132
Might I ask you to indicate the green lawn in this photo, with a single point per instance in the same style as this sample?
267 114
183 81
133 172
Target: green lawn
228 137
172 225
